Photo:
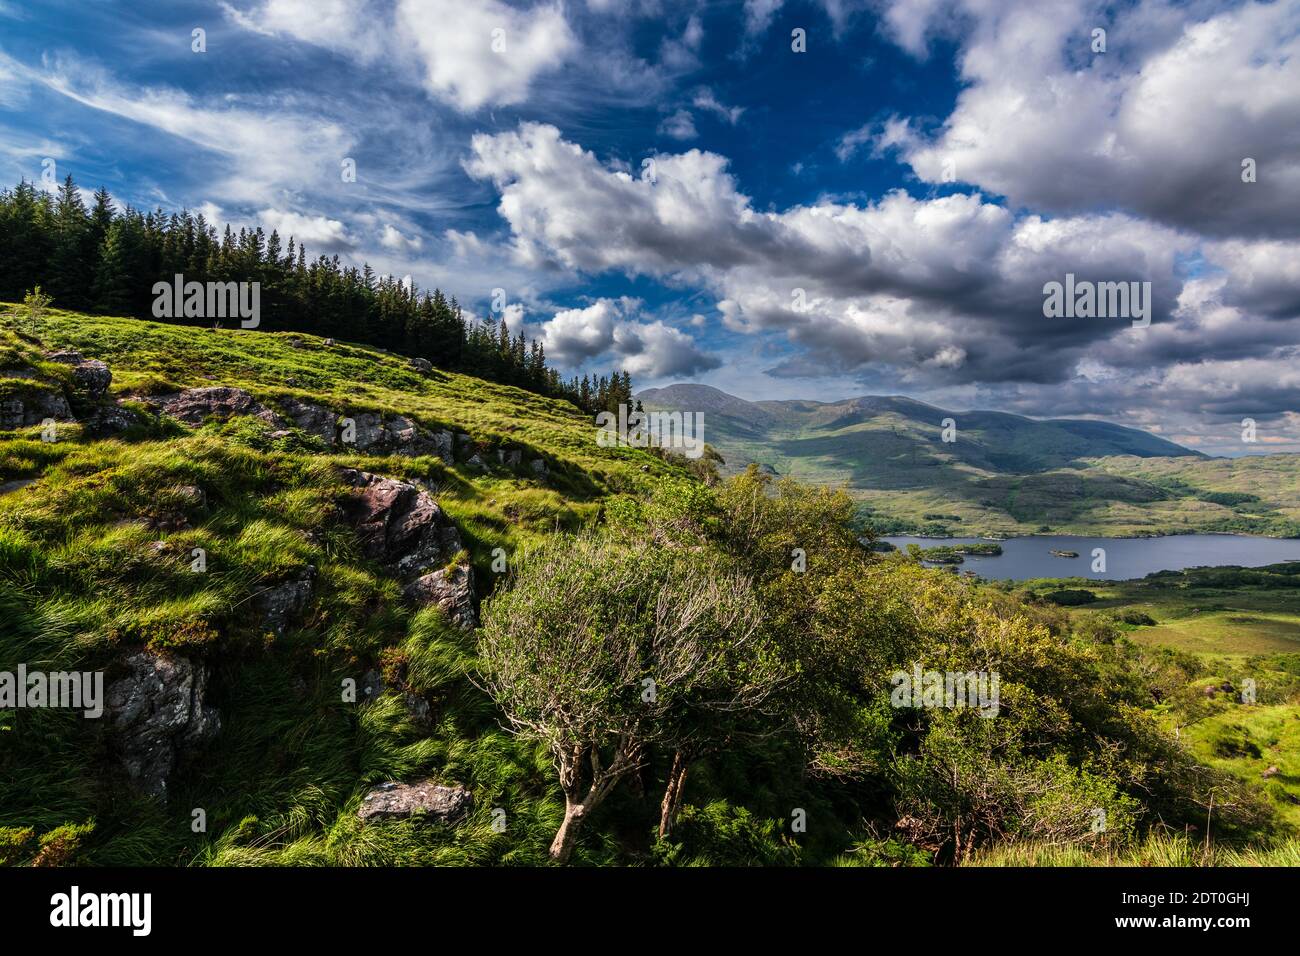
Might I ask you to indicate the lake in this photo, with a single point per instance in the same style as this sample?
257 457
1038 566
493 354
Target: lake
1126 558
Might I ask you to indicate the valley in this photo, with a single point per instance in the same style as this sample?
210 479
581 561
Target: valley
1003 475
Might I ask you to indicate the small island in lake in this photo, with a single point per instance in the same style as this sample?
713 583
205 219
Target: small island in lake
1064 554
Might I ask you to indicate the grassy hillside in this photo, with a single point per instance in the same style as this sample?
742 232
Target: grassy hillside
1218 628
308 675
1004 474
95 544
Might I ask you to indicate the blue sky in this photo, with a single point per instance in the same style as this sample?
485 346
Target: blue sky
875 214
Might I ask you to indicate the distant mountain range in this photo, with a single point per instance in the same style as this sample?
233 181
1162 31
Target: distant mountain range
1003 473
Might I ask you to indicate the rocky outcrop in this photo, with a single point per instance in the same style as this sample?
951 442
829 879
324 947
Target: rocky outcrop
452 592
110 418
423 366
281 604
369 432
32 408
90 376
399 524
156 712
427 799
312 419
194 406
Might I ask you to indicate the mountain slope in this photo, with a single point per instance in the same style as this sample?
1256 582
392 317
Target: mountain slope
284 537
1002 473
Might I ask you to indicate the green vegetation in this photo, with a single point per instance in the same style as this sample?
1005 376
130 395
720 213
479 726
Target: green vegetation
1212 630
1004 474
769 631
102 260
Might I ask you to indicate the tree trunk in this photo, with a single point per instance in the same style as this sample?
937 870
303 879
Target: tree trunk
672 794
567 835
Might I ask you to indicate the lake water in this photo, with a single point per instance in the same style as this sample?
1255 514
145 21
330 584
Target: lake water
1126 558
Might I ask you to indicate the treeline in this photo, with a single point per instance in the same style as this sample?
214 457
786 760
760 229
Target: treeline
97 259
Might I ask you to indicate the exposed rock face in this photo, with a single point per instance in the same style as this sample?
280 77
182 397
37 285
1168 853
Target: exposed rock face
453 593
369 432
195 405
510 457
156 711
88 375
423 366
313 419
399 524
110 418
538 465
281 604
395 801
33 408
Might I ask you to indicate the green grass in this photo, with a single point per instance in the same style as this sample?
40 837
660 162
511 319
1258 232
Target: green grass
88 568
1011 476
1162 850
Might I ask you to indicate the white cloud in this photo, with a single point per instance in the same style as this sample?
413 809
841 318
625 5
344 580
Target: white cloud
1158 125
317 232
608 330
681 125
269 148
705 100
392 238
455 41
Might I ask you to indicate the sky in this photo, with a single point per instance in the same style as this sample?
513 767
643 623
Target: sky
783 200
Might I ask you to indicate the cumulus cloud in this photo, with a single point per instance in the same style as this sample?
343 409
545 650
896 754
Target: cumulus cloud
318 232
609 330
952 284
470 55
392 239
1158 125
485 52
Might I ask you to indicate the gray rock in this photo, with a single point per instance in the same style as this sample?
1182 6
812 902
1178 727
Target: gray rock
401 434
368 430
510 457
277 606
155 713
419 710
372 685
400 801
15 485
110 418
443 444
33 408
423 366
538 466
452 593
399 524
312 419
88 375
476 461
194 406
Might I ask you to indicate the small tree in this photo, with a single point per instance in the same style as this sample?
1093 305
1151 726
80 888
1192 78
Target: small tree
35 302
603 651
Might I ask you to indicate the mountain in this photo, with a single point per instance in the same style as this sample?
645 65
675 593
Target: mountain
1001 472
